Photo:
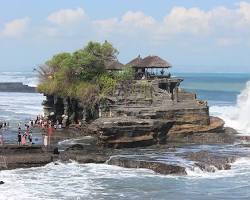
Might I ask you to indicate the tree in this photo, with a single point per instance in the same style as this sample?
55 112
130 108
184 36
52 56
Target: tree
79 74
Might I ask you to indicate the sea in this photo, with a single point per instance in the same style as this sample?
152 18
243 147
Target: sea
228 96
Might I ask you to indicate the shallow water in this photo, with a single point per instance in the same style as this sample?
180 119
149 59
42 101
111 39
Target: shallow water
100 181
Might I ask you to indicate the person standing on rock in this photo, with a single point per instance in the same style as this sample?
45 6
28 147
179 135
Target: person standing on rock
50 131
1 139
19 137
30 138
45 141
23 139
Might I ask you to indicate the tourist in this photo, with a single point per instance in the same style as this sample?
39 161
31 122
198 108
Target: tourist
30 123
27 129
30 138
1 139
50 131
45 141
19 137
23 139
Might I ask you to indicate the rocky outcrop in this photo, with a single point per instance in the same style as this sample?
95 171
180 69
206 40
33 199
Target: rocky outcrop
144 113
121 132
85 154
13 156
16 87
211 162
156 166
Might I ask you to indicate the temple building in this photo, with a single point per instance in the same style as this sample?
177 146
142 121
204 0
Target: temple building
156 69
150 67
114 65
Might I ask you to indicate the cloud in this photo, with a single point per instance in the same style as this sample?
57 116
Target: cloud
221 25
67 16
15 28
106 25
183 20
129 22
137 19
244 10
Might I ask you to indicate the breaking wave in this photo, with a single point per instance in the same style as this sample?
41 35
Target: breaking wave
27 78
236 116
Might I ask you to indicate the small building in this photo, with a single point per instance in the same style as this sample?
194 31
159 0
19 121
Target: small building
150 67
155 70
114 65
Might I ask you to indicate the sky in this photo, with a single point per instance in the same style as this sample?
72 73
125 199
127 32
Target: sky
193 35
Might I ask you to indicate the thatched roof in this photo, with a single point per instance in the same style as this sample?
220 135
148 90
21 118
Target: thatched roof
114 65
149 62
135 62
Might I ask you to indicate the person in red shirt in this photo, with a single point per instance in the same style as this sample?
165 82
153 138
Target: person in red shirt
50 131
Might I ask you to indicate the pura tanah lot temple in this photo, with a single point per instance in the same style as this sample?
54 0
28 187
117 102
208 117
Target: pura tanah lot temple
150 109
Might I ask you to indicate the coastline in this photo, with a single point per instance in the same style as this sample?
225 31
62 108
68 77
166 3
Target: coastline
86 150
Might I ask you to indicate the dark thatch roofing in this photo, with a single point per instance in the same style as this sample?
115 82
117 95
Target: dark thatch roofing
114 65
149 62
135 62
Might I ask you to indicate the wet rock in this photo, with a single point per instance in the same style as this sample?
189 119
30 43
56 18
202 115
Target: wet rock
210 162
130 132
158 167
85 154
25 156
216 134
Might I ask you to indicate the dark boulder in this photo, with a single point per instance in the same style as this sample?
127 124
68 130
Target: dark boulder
158 167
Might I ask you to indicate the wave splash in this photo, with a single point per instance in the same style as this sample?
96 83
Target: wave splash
236 116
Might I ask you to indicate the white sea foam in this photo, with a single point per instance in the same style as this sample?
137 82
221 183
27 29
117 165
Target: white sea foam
65 181
240 167
28 78
236 116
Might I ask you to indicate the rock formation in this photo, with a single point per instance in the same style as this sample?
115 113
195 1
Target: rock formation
143 113
16 87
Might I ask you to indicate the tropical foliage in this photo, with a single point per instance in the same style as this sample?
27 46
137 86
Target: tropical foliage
82 74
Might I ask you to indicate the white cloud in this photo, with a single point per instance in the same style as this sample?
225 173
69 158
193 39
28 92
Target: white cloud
106 25
193 20
222 25
15 28
137 19
129 22
67 16
244 10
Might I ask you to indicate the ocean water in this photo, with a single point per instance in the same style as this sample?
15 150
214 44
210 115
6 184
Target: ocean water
228 96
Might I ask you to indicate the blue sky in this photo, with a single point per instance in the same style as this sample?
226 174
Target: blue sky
193 35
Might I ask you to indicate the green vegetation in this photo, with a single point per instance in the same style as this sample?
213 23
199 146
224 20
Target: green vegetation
82 74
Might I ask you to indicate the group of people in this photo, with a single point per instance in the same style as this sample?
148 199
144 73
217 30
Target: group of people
26 137
48 126
24 133
45 123
4 124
